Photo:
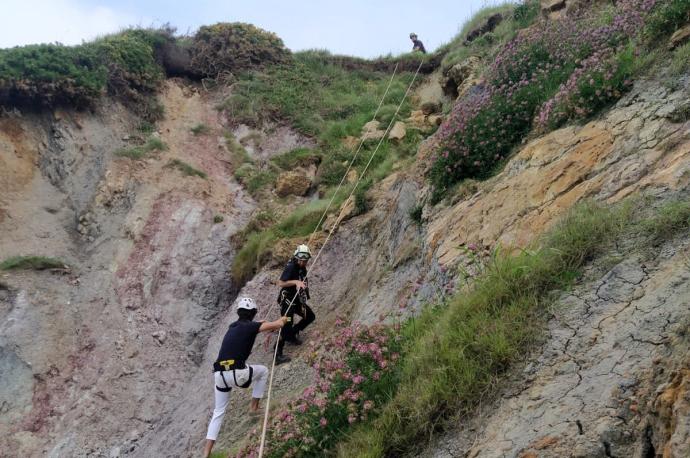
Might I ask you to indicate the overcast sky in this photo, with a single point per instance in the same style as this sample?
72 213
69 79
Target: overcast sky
364 28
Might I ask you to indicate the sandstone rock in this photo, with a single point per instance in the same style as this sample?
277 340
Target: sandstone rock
679 37
350 142
434 120
371 126
347 211
431 107
417 119
549 6
292 183
372 131
398 131
462 76
352 176
488 26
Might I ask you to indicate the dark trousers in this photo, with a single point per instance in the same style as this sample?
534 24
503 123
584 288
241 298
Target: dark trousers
290 330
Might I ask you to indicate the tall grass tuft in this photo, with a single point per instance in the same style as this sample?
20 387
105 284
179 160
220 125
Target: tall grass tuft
455 353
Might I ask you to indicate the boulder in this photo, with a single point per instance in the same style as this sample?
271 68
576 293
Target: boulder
292 183
550 6
352 176
431 108
350 142
347 211
462 76
417 119
398 131
434 120
372 131
488 26
679 38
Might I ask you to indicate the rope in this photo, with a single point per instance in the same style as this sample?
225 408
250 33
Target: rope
318 254
354 157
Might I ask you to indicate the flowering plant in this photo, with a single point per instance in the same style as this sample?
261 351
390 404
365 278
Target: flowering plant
354 374
550 73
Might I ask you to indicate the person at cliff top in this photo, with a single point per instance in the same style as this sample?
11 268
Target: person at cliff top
231 368
417 45
293 296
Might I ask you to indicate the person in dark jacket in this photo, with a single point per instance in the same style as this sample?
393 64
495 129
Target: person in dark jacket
231 368
294 293
417 45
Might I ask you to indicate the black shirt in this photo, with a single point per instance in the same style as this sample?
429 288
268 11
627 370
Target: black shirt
418 46
293 271
238 341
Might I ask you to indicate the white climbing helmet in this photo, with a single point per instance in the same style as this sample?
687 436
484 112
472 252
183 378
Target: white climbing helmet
302 252
246 303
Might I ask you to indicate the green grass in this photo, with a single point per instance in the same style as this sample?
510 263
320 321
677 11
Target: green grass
31 263
666 18
254 179
299 157
680 64
456 352
200 129
258 239
186 168
238 155
153 144
122 64
670 219
514 19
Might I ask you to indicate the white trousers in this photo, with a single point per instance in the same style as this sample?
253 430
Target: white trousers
222 398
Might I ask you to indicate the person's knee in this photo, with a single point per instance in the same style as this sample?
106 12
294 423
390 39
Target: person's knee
260 371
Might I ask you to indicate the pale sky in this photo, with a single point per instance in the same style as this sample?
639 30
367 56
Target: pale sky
365 28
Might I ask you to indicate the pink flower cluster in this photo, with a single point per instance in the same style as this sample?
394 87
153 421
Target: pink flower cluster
551 72
351 370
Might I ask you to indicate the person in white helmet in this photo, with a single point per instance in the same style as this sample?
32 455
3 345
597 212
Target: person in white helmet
294 289
231 369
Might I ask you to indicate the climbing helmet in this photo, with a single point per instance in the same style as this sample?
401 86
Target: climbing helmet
302 252
246 303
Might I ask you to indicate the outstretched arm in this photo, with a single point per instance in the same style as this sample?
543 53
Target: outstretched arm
273 325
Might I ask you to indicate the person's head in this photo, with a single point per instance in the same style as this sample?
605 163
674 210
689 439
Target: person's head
246 308
302 255
413 36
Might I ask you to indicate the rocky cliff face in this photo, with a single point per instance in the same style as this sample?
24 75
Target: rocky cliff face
112 356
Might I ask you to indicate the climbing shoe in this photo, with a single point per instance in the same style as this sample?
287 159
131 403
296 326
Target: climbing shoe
294 341
280 359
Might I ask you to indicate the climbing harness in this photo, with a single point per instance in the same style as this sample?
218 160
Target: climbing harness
337 221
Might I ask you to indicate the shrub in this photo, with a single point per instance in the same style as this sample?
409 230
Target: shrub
553 72
50 74
416 213
254 179
670 219
667 16
124 64
200 129
186 168
218 219
681 61
354 375
238 155
153 144
297 157
233 47
31 263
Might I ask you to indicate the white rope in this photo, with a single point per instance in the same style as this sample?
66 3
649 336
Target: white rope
352 161
318 254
